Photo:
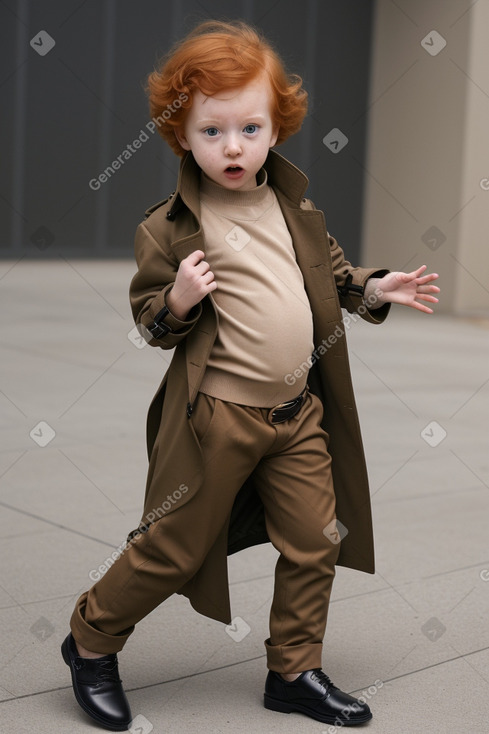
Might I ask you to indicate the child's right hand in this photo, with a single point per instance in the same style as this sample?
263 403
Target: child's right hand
194 280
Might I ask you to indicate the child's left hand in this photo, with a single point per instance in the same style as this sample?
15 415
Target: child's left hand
408 289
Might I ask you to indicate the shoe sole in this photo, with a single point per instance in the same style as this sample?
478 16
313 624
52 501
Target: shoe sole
99 719
273 704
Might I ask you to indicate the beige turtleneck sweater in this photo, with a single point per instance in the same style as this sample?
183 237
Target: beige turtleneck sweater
265 320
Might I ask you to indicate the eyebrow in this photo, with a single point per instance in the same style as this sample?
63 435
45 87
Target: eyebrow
216 121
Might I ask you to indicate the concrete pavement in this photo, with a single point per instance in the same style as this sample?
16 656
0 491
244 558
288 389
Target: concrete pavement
413 638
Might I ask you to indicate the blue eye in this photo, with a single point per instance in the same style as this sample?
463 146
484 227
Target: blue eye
211 131
250 129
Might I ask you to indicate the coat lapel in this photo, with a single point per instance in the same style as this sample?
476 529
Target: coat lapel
310 240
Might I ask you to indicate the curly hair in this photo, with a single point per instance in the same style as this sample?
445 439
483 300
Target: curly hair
215 56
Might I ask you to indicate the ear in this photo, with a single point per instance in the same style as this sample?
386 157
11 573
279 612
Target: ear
274 137
180 136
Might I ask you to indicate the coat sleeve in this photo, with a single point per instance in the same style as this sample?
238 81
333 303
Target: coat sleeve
350 281
157 269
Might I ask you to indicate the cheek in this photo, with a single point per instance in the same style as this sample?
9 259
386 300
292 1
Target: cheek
204 160
204 155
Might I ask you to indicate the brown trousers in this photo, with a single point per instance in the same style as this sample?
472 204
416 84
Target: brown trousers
292 471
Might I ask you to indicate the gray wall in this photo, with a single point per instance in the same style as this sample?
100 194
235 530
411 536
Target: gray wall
68 113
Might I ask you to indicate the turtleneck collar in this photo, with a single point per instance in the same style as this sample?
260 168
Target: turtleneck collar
235 197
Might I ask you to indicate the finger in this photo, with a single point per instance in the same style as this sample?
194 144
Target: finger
413 275
431 290
195 257
428 278
202 267
421 307
426 297
404 278
428 289
417 273
208 277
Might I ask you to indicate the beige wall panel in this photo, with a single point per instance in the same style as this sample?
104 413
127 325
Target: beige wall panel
426 156
472 265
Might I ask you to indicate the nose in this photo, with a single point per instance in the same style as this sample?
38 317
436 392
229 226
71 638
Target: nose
232 146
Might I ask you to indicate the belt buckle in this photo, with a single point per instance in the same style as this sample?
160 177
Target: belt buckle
295 403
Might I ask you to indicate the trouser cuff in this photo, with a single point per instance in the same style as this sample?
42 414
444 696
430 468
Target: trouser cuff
293 658
92 638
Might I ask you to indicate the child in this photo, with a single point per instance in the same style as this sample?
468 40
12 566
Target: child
253 434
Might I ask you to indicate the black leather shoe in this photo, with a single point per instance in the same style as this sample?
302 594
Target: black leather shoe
313 694
97 687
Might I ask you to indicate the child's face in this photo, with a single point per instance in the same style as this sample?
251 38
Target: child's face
231 133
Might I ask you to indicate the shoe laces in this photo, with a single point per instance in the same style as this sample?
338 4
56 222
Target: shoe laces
107 670
319 675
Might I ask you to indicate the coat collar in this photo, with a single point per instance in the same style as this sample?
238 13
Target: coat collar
282 175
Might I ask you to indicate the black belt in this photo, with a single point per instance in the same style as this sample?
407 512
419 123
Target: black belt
284 411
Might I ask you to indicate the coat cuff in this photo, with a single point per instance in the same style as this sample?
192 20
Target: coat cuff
352 295
160 321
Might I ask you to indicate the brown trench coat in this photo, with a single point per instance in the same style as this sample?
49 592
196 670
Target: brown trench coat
169 234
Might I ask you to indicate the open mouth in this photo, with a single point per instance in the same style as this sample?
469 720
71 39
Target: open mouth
234 169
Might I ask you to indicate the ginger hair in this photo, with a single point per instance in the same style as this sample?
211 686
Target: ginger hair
217 56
